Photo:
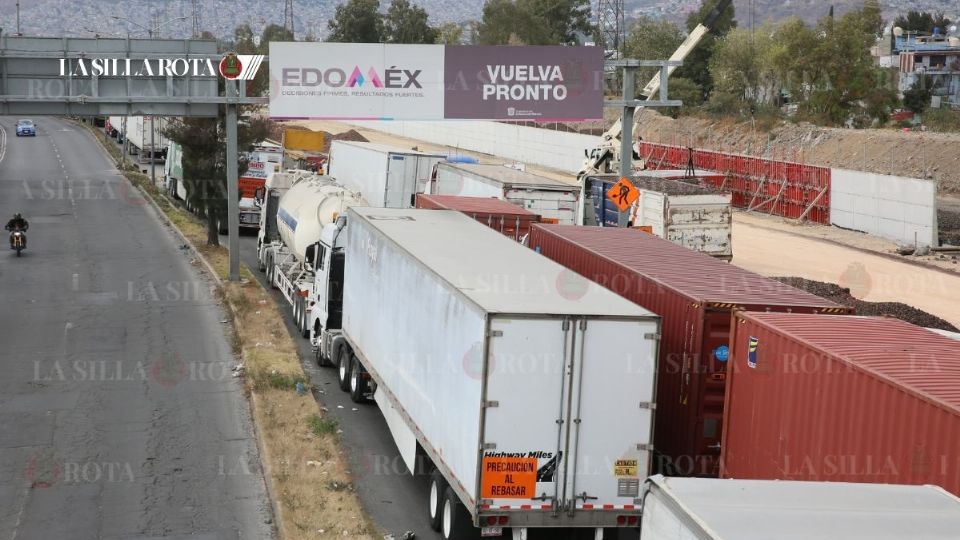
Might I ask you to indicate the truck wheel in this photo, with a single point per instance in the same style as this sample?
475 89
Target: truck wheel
343 368
358 384
297 320
322 360
305 322
438 485
455 521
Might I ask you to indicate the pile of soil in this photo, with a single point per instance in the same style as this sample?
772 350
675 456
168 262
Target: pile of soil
841 295
349 135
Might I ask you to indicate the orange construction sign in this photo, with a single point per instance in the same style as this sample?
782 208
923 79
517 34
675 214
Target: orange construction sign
509 478
623 194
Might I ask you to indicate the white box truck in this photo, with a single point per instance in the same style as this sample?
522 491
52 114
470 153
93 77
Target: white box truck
687 214
528 388
387 177
554 200
714 509
173 172
137 133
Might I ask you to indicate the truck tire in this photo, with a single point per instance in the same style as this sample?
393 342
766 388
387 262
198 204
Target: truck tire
438 486
305 322
322 360
297 320
343 368
455 523
358 383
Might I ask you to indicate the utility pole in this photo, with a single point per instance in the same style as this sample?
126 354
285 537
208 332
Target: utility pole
195 14
610 26
233 195
628 106
153 152
18 18
288 16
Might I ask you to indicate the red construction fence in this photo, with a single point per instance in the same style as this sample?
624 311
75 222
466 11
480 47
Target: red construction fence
782 188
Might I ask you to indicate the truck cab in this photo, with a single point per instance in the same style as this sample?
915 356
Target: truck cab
326 309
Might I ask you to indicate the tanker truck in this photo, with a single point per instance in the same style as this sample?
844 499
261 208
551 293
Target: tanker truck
293 258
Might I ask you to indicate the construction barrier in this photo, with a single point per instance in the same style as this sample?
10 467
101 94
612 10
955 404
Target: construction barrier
781 188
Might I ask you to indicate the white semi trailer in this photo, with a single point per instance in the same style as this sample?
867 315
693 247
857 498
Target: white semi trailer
554 200
386 176
137 130
714 509
527 388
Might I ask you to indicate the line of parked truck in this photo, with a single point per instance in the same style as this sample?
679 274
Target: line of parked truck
547 370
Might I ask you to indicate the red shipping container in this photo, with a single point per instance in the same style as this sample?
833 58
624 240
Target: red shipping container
507 218
695 295
845 399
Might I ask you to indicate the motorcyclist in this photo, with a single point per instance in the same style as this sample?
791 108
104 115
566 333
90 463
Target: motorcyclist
16 223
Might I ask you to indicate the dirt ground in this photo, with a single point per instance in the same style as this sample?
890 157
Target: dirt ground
767 247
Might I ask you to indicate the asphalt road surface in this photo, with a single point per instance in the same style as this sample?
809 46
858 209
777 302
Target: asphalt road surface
119 418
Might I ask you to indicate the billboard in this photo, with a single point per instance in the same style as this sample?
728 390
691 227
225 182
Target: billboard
375 81
541 83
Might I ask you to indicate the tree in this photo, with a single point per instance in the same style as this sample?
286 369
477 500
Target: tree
449 34
686 91
204 163
651 39
273 32
743 66
848 73
405 23
243 40
501 19
534 22
564 19
794 57
922 22
357 21
872 15
696 67
917 98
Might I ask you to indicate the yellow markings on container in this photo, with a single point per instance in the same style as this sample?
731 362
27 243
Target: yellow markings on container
625 467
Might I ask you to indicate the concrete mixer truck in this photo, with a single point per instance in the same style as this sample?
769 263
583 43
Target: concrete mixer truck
294 253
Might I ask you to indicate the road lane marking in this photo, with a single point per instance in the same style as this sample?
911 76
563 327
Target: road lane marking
3 143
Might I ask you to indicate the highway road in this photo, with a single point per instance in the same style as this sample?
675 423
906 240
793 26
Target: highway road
118 415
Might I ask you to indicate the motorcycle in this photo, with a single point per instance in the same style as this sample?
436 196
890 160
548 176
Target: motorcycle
18 240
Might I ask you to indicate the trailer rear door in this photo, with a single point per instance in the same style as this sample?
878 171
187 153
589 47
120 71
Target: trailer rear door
556 434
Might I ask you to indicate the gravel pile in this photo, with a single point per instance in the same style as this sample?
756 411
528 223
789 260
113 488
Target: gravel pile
842 295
